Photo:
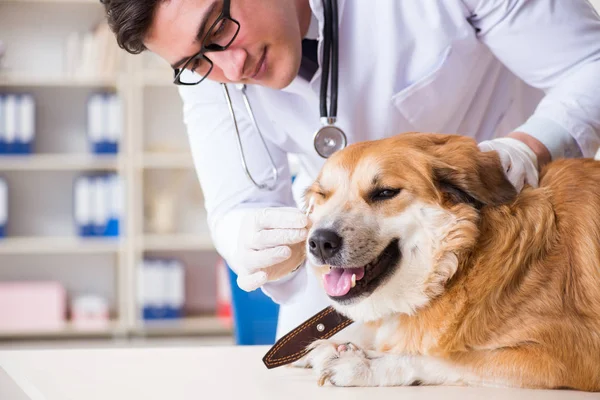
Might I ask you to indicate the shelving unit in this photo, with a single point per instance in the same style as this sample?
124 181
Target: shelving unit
60 162
181 242
33 81
59 245
207 325
166 161
68 331
154 143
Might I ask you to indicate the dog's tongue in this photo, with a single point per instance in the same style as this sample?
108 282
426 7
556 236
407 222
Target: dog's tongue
338 281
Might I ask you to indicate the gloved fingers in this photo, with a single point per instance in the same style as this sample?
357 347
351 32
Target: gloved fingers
485 146
517 180
252 281
526 173
259 259
277 237
280 218
533 178
501 150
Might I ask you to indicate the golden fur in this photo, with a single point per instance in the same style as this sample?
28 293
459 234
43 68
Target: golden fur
514 288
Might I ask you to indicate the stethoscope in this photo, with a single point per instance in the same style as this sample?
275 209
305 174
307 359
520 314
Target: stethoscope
329 138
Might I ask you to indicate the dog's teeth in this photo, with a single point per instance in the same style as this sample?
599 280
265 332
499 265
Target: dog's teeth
353 280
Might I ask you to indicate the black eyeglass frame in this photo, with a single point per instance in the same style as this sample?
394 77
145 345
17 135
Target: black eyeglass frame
211 47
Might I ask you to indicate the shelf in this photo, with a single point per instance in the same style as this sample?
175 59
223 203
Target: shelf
58 245
206 326
10 80
68 331
58 162
176 242
209 325
167 161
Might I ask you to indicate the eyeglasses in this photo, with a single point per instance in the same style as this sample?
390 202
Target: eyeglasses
219 37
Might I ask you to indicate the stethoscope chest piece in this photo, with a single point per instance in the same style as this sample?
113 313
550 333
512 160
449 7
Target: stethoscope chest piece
329 139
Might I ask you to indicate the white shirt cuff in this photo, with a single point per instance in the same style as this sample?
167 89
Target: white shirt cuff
559 142
286 289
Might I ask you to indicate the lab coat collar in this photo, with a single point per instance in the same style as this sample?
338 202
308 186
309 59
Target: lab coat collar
315 30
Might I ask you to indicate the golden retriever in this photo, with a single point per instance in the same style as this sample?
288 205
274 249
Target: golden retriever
460 280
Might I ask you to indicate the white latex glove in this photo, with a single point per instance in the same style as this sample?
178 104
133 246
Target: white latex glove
519 161
262 245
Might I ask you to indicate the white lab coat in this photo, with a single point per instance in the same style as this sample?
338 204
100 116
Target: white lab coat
474 67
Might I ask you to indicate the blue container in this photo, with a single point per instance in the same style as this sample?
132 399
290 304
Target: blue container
112 228
254 315
105 147
86 230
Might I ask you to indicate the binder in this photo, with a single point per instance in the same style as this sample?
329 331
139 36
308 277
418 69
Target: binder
17 123
10 122
114 125
154 305
114 195
3 207
174 288
99 205
82 202
95 122
3 148
161 289
26 124
105 123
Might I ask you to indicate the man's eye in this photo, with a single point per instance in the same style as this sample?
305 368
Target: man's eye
218 30
193 65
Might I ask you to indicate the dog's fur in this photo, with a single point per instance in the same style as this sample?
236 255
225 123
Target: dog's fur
492 287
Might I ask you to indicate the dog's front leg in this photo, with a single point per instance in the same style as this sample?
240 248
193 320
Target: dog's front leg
348 365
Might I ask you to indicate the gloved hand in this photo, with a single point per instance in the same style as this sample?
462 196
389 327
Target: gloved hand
262 245
519 161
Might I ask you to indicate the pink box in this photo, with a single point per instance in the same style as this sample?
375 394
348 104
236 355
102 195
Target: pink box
26 306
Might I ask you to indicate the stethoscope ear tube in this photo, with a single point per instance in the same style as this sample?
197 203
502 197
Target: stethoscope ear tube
275 173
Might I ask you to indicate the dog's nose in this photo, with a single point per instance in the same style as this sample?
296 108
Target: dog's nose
325 243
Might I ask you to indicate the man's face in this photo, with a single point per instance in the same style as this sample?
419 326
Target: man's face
266 51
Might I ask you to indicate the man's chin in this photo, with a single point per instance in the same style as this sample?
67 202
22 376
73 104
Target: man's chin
281 79
278 83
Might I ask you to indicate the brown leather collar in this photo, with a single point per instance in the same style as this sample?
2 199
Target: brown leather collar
292 346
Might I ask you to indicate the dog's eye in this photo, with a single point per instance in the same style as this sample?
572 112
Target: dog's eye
384 194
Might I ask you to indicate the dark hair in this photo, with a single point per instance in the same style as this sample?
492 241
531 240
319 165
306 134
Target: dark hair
130 20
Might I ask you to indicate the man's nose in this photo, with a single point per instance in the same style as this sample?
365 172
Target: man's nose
325 243
231 62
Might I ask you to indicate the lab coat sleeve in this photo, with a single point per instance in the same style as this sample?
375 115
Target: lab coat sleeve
214 148
553 45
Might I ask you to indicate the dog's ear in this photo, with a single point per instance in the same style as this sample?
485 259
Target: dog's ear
468 175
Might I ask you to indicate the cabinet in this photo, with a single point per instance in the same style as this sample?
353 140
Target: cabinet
163 210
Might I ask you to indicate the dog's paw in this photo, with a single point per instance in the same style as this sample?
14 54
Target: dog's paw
342 364
301 363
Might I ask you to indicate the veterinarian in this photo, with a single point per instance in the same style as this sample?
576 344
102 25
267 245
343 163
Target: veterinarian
521 77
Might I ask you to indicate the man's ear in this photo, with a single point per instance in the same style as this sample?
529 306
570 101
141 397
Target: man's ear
477 178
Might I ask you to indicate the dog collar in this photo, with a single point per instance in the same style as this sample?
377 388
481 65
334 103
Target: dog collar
292 346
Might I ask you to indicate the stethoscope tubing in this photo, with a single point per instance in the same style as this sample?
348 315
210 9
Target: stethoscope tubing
323 136
274 171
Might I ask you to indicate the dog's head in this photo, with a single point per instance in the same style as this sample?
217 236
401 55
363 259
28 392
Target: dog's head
392 219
